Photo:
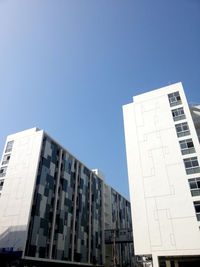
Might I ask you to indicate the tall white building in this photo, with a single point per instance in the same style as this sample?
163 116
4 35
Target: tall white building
163 155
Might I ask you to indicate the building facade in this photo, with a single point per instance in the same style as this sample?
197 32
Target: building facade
117 222
163 155
52 205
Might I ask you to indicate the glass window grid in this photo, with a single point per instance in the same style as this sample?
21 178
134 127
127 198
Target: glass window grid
3 171
178 114
197 209
6 159
194 184
174 99
187 146
182 129
191 165
1 184
198 216
9 146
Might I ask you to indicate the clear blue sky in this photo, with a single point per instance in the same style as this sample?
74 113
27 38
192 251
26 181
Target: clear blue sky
68 66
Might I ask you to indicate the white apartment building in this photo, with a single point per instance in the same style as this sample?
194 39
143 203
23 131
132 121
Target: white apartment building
163 155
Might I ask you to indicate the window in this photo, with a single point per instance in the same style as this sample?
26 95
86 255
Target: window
182 129
9 146
197 209
178 114
187 146
194 186
174 99
1 184
6 159
3 171
191 165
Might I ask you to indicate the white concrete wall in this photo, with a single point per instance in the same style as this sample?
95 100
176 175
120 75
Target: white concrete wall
164 220
17 192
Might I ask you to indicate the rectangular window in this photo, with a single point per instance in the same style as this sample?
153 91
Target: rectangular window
3 171
187 146
1 184
194 186
178 114
191 165
197 209
6 159
9 146
182 129
174 99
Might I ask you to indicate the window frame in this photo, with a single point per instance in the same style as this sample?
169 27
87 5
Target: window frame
176 97
182 132
9 146
197 205
188 149
194 168
194 184
6 159
1 183
3 173
178 114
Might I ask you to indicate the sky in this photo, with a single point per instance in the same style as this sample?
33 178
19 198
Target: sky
68 66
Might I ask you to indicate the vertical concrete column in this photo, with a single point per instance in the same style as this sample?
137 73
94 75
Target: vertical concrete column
29 216
102 222
55 204
168 263
74 210
155 260
176 264
126 226
128 253
118 227
90 223
126 219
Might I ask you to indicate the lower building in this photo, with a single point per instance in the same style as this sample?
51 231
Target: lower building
52 205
